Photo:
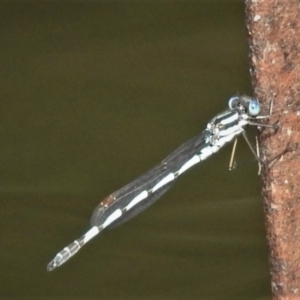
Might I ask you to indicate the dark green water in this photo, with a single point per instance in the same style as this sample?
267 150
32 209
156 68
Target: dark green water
93 94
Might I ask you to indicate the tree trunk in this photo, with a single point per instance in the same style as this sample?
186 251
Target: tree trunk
274 38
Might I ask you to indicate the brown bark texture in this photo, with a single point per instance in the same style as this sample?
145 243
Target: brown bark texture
274 38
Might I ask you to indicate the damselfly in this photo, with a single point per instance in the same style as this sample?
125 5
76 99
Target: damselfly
133 198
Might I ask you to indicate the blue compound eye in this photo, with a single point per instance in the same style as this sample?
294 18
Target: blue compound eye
233 102
253 108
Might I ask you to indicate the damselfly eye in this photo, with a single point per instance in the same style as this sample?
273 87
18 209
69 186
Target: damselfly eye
233 102
254 107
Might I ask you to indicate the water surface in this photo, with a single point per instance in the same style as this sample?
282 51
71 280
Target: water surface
94 94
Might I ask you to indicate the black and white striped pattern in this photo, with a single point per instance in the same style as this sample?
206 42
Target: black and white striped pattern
130 200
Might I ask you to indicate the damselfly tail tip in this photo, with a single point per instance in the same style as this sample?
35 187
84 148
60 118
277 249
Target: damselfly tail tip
55 263
51 266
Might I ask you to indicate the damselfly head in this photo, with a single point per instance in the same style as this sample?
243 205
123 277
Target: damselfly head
244 104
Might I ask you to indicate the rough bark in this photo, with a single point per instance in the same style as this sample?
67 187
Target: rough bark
274 38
